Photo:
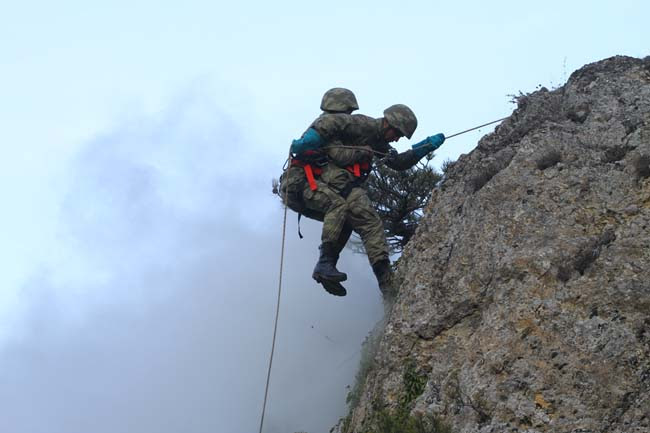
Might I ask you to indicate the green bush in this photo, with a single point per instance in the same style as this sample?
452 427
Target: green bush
414 384
400 419
399 198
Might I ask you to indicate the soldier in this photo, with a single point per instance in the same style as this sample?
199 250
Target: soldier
308 196
351 143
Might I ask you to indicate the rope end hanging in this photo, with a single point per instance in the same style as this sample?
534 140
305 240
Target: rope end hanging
277 310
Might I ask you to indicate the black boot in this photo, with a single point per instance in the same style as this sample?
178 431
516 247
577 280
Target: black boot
326 267
333 288
384 274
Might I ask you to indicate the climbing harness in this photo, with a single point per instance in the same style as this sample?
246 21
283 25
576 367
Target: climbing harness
312 163
357 168
310 171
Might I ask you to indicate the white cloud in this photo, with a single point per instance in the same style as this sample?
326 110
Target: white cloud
157 312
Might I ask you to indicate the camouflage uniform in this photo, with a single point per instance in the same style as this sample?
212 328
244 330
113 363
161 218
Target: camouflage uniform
323 201
365 135
348 143
322 204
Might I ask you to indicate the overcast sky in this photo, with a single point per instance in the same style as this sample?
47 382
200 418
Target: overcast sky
139 237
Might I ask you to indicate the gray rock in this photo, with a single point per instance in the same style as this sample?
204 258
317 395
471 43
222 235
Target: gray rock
525 293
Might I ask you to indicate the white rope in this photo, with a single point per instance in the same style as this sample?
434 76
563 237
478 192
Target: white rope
277 311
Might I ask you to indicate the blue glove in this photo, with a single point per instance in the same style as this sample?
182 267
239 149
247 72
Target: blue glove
310 140
429 144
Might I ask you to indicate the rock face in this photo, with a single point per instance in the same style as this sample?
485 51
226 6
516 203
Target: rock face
525 294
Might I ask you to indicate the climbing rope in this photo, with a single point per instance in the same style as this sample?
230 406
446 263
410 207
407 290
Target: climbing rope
476 127
277 309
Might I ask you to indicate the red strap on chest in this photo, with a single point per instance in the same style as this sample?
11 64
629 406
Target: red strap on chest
310 177
309 172
357 167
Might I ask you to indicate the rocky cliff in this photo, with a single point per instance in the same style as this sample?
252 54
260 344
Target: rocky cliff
524 302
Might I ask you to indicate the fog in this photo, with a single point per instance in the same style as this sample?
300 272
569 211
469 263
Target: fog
155 312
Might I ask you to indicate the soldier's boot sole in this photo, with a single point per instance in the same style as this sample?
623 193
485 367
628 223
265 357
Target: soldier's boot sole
333 288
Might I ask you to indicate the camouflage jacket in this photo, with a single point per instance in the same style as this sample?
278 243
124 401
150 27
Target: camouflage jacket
352 138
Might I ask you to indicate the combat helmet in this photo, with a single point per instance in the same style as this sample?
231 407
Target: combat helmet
339 100
402 118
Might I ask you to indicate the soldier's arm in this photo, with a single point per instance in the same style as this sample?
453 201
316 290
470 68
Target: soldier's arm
351 129
348 155
406 160
400 161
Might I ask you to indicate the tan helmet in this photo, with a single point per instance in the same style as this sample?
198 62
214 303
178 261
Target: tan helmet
339 100
402 118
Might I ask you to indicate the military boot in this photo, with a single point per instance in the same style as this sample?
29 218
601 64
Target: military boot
384 275
326 267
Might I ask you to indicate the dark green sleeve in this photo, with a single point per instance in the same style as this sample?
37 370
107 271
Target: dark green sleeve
399 161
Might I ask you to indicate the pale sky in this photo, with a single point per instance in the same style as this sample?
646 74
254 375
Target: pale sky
138 143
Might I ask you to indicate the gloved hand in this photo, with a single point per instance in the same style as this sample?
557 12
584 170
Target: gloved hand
310 140
390 154
429 144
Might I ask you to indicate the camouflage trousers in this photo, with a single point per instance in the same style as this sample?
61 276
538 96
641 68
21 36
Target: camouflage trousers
342 215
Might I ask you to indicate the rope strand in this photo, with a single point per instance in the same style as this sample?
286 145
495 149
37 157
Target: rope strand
277 309
476 127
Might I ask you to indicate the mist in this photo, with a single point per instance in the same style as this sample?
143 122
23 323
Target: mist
155 313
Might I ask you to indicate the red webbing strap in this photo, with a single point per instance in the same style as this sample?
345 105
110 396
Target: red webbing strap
310 177
357 167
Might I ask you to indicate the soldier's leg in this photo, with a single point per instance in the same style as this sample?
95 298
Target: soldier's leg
317 209
334 208
331 205
365 220
346 232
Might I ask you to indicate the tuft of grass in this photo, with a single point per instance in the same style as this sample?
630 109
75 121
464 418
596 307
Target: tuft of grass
548 159
414 383
400 419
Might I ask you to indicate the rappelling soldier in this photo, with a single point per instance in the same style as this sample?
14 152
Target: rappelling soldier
351 142
303 191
